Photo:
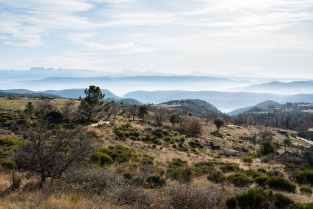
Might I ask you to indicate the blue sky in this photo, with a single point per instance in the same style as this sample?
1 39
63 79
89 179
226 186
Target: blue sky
266 37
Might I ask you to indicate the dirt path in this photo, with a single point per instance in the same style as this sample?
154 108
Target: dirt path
99 123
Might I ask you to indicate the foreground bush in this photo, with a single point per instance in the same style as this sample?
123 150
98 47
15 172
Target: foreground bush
259 199
281 184
196 198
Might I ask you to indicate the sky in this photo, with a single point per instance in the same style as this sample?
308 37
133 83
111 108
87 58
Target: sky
265 37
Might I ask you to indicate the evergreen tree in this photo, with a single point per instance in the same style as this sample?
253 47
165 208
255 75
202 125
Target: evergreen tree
92 104
30 109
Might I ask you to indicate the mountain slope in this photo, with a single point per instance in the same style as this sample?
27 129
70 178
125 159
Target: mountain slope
195 106
264 105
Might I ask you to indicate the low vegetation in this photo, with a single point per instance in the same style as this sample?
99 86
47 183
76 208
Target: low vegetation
86 153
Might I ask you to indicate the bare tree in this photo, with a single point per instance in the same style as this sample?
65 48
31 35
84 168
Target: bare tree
160 115
114 109
191 126
69 110
49 153
133 111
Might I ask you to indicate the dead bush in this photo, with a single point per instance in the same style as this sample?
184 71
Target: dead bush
181 197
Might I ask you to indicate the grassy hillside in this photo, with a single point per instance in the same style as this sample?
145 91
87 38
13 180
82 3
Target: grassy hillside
195 106
142 164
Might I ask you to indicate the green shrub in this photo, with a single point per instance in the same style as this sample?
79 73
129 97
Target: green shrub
102 159
229 168
282 201
217 177
9 142
239 180
306 190
261 180
259 199
202 168
178 170
275 174
2 153
247 159
120 153
6 163
155 181
128 176
305 177
232 202
262 170
267 148
281 184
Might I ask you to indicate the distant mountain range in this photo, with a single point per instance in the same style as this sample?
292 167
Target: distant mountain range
278 87
66 93
225 101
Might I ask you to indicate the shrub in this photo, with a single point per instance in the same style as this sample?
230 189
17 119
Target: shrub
155 181
178 170
267 148
217 177
6 163
9 143
247 159
305 177
229 168
261 180
275 174
239 180
232 202
183 197
282 201
259 199
128 176
120 153
281 184
306 190
102 159
202 168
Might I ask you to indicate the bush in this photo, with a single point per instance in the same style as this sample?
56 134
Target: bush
128 176
217 177
6 163
306 190
229 168
282 201
183 197
259 199
120 153
232 202
155 181
202 168
305 177
281 184
178 170
267 148
261 180
239 180
102 159
247 159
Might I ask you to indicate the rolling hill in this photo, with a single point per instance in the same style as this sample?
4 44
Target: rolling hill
195 106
